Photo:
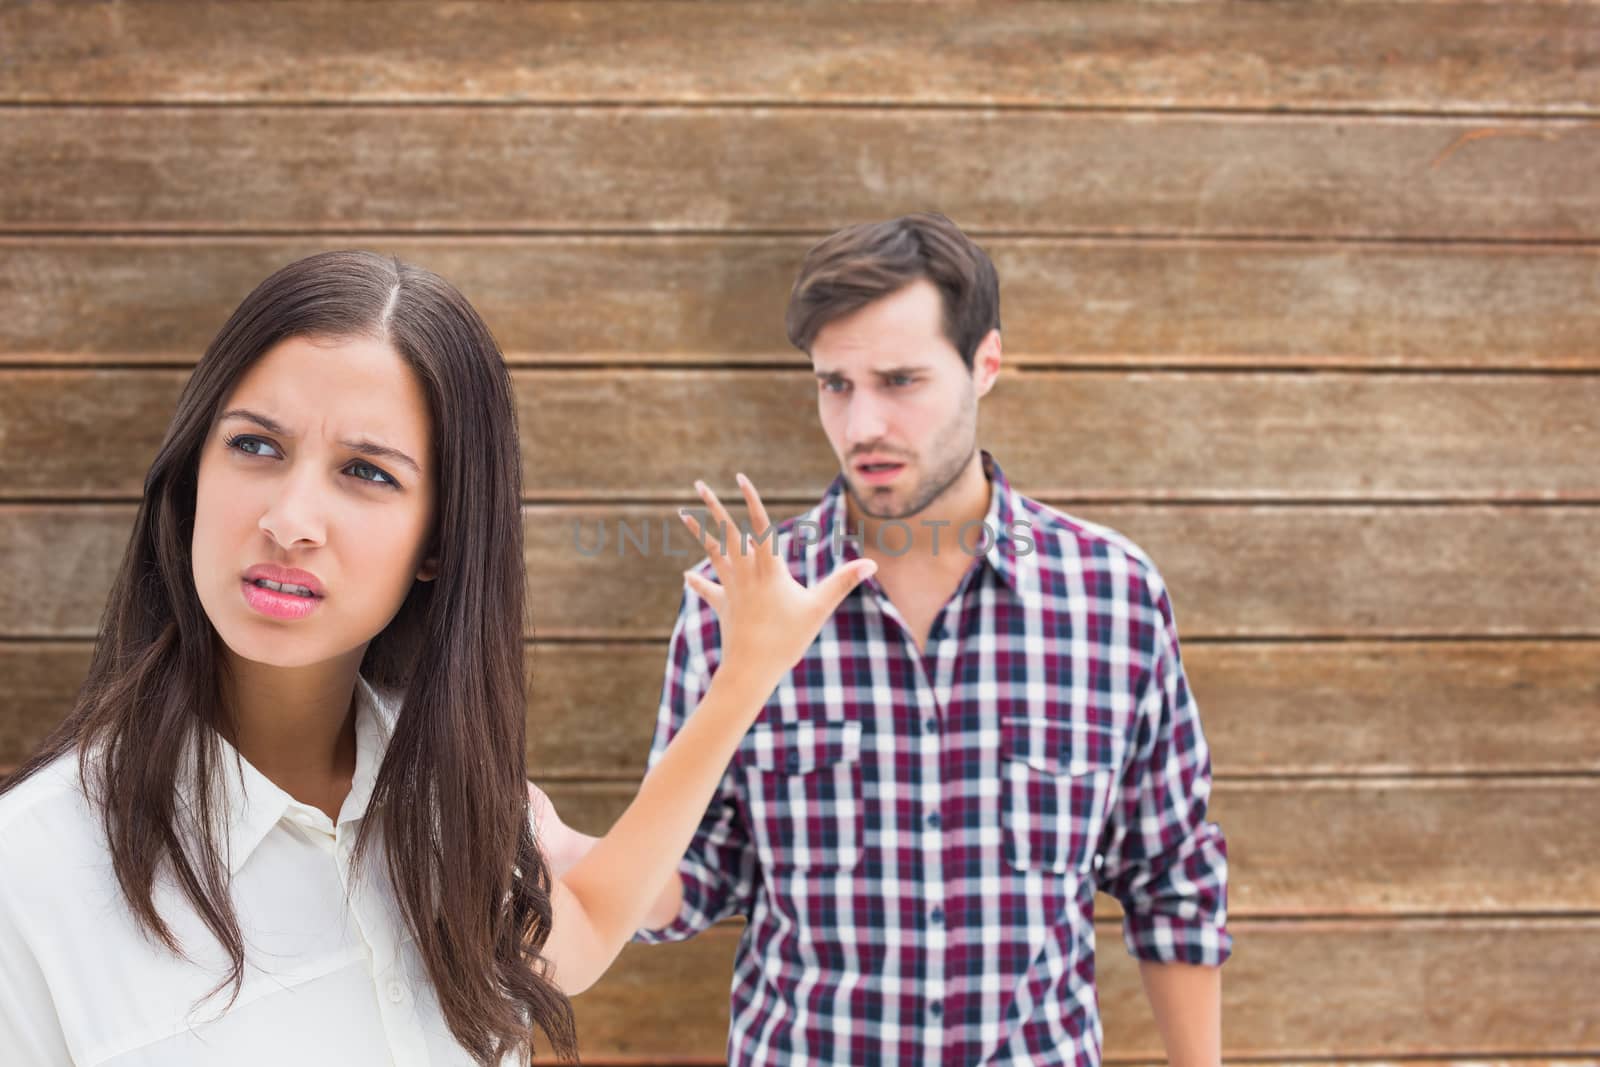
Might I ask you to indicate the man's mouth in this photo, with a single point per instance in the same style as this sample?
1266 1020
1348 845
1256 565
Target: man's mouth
878 473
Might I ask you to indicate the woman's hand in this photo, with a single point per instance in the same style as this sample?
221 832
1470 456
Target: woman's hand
768 619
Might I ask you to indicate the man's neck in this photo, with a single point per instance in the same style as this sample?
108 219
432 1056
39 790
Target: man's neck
934 532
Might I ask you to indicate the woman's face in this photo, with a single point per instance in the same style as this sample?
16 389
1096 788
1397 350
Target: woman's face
315 475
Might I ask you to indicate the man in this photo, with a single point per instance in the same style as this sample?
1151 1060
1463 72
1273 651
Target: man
988 731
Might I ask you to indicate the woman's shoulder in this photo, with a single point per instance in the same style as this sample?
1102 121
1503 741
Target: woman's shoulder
47 818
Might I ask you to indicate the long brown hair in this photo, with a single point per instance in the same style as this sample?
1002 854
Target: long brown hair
451 794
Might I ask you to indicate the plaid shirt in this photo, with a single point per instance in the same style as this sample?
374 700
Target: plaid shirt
916 837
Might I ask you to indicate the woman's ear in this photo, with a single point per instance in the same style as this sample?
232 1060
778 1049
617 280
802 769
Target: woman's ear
429 569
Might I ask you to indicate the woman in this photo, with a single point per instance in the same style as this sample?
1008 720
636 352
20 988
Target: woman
286 820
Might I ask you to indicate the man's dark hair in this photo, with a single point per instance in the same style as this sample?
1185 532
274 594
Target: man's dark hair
859 264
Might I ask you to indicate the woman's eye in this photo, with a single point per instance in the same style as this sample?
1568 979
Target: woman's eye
834 386
251 446
255 446
382 475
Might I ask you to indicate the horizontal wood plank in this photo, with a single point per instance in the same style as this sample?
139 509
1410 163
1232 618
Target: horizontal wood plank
606 169
1314 847
1480 56
1362 849
1390 846
1350 708
1242 571
1456 989
647 434
694 299
626 189
1235 572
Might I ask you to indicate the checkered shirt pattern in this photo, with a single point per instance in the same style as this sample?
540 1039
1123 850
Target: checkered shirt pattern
915 837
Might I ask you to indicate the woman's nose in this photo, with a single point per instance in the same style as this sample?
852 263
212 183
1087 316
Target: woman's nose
295 514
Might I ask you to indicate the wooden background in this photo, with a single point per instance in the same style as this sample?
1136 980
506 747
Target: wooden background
1304 298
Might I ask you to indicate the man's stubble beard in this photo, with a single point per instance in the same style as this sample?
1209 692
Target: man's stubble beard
938 482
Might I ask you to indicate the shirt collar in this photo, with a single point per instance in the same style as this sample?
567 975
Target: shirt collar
254 804
1011 565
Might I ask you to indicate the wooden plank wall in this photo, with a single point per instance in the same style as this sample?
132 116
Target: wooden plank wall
1304 298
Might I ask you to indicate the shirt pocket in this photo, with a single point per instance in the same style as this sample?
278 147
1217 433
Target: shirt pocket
803 787
1056 780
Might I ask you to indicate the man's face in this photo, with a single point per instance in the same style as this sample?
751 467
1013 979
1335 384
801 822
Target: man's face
897 402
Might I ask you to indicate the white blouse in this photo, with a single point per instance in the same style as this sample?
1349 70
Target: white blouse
330 977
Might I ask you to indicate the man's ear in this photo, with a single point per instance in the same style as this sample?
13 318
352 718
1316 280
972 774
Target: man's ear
986 363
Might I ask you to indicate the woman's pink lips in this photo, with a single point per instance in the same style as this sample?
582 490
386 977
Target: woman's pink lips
278 605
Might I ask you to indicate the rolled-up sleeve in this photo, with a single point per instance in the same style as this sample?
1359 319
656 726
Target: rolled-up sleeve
719 871
1162 860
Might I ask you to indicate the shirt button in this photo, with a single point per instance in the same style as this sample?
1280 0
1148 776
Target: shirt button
397 992
934 820
937 915
937 633
936 1009
932 726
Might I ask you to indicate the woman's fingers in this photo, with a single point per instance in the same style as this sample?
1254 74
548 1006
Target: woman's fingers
758 511
832 590
714 548
730 530
709 591
719 513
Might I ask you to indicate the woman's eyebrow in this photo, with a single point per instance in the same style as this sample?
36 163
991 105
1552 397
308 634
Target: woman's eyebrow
361 445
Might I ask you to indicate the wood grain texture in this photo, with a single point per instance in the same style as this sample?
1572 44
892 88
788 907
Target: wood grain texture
1268 709
1380 847
604 169
1235 572
1376 847
1364 708
647 434
41 681
1451 988
691 299
1481 57
1256 571
1273 260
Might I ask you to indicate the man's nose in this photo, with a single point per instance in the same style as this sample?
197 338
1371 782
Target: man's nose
866 422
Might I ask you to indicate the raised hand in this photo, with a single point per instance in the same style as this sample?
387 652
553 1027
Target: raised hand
768 619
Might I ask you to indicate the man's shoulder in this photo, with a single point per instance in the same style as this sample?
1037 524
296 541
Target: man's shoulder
1066 541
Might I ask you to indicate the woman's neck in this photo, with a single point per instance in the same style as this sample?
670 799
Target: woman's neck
296 725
